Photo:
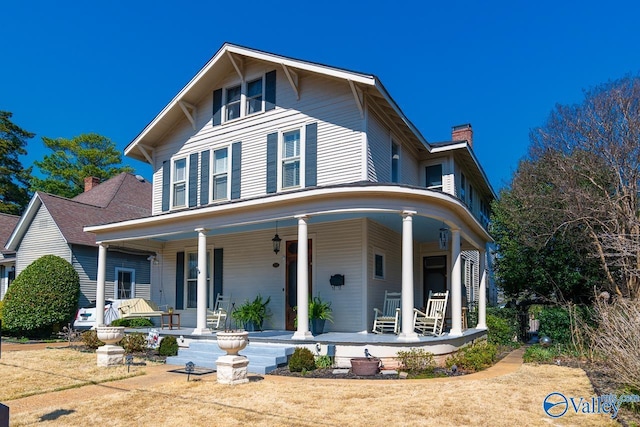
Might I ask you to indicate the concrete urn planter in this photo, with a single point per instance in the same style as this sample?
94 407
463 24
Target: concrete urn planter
232 342
110 335
110 354
365 366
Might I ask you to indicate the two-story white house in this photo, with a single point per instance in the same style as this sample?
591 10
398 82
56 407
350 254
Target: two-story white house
259 147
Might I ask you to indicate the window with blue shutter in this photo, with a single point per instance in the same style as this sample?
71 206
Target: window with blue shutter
311 155
217 107
270 90
272 163
204 177
193 180
180 281
166 185
236 164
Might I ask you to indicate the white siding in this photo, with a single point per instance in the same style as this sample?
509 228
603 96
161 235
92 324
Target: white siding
43 237
378 151
328 102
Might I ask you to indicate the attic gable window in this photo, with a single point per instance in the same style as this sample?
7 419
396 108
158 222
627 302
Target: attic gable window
291 159
179 182
232 106
241 100
254 96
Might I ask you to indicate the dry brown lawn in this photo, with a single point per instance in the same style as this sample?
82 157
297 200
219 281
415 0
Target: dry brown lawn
508 400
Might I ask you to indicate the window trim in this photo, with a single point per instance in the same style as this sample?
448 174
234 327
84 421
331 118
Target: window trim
225 102
262 95
395 162
426 176
212 175
301 157
173 181
244 90
116 283
378 253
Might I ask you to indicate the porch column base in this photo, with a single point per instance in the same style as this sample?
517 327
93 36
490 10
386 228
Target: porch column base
481 326
455 332
410 337
110 355
202 331
307 335
232 369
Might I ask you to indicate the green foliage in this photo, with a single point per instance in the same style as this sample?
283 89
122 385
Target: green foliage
255 311
73 160
417 361
134 322
168 346
135 342
500 330
319 309
90 339
474 357
324 361
302 360
555 323
1 305
14 179
538 354
42 299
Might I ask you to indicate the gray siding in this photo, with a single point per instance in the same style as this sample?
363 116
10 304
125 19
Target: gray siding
43 237
379 151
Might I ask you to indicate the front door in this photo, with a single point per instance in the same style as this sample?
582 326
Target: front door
435 274
291 287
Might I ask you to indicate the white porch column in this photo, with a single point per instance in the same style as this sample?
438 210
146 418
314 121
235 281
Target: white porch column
456 285
303 333
407 332
102 269
482 292
201 313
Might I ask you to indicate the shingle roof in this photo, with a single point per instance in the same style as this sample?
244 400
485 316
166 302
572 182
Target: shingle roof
7 224
117 199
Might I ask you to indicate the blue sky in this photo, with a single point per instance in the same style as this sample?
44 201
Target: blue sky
71 67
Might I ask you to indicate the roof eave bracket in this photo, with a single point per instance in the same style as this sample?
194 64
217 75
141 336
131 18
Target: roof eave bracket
189 111
143 149
292 76
237 64
357 95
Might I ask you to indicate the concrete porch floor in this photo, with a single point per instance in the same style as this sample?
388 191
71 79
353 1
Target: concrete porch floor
345 345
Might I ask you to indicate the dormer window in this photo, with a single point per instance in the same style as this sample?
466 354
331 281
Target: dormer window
232 106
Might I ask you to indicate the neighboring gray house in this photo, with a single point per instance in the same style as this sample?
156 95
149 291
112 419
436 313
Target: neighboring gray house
259 146
7 257
53 225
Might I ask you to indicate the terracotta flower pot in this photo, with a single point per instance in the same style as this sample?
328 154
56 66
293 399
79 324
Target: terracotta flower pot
365 366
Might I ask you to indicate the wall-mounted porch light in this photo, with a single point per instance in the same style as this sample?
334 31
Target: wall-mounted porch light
443 239
276 240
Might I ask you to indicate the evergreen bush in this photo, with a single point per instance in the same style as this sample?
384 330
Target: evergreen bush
42 299
136 322
133 343
90 339
417 361
555 323
168 346
302 360
500 331
474 357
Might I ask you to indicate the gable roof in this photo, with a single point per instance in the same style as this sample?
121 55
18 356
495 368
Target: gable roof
7 225
122 197
213 71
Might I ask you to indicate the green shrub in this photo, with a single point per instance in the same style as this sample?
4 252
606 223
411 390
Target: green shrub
90 339
1 304
136 322
474 357
168 346
417 361
135 342
324 361
500 330
302 360
538 354
42 299
555 324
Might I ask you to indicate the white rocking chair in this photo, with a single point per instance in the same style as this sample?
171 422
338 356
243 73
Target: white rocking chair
431 321
388 319
217 317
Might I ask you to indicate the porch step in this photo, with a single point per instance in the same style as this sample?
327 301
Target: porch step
263 357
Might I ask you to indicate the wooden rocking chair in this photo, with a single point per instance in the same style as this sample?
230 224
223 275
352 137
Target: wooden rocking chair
217 317
388 319
431 321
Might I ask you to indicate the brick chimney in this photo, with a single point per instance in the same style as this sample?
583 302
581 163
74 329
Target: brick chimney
462 133
90 182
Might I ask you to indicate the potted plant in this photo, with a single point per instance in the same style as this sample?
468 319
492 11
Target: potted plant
319 313
252 314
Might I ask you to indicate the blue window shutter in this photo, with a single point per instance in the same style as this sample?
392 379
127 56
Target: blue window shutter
204 177
236 164
217 272
193 179
270 90
311 155
217 107
180 281
272 163
166 185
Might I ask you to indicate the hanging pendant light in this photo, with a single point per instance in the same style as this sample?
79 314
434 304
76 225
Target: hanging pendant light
276 240
443 240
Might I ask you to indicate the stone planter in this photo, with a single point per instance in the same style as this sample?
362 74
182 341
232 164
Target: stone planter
365 366
232 342
110 354
232 368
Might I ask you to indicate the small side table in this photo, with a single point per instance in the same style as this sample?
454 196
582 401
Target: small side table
166 319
